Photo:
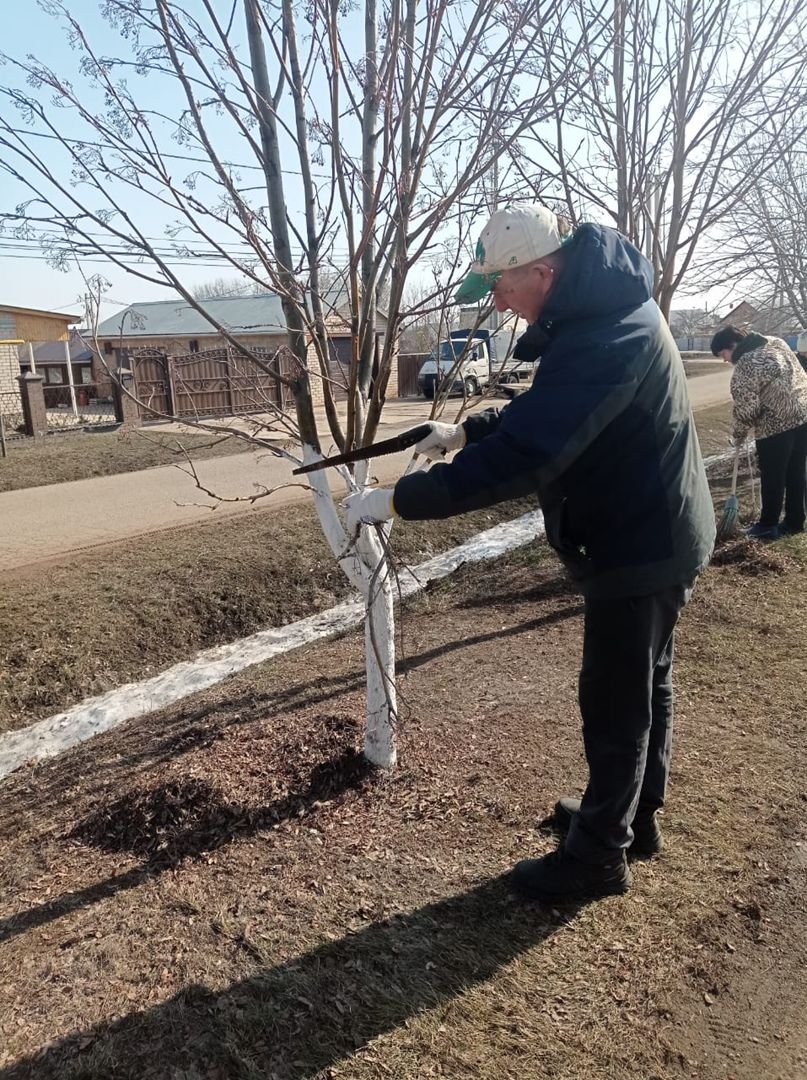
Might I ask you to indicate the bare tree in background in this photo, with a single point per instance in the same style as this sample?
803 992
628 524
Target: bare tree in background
666 96
372 131
690 323
762 245
221 288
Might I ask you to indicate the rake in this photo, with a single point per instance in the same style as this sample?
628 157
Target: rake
727 526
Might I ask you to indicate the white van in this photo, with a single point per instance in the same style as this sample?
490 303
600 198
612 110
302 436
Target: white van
468 378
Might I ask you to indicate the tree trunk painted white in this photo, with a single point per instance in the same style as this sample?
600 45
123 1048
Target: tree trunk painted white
332 528
367 567
379 639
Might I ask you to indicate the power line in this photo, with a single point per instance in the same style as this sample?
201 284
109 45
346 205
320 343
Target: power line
174 157
86 249
81 247
122 262
202 262
62 238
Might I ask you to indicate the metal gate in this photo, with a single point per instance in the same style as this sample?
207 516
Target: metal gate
152 385
217 382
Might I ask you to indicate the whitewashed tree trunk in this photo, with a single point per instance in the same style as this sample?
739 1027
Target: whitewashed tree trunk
379 637
366 565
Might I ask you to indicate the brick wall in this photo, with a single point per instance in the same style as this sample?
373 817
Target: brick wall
392 385
9 369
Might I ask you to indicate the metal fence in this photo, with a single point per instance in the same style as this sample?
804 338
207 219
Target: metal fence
81 409
73 399
11 414
216 382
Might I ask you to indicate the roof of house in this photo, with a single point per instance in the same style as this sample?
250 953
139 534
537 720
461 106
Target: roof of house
744 309
38 311
176 318
52 352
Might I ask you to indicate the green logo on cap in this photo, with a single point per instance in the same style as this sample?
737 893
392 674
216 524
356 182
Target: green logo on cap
480 252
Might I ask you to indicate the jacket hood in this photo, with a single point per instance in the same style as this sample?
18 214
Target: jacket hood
751 341
603 275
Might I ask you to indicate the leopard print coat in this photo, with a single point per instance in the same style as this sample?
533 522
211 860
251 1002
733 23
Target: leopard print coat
769 388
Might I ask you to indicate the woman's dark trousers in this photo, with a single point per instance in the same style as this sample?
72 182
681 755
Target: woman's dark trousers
782 469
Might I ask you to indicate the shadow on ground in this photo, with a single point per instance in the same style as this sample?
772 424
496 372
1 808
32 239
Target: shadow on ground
180 820
183 819
293 1021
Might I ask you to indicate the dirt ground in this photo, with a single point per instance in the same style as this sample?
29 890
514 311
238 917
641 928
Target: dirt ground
71 631
222 890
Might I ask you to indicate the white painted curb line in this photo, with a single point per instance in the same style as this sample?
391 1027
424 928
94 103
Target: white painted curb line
50 737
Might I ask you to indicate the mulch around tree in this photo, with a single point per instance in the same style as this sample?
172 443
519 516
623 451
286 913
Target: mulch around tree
224 889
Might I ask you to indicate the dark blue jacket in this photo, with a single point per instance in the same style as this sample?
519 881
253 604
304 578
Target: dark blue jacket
604 435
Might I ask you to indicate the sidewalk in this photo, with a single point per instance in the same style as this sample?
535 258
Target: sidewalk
46 523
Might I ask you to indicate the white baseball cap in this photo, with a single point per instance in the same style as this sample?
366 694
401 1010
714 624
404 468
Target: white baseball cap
512 237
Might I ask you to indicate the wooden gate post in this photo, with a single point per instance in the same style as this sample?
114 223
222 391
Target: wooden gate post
170 388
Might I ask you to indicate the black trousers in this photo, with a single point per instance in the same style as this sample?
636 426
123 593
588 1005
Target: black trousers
626 702
782 469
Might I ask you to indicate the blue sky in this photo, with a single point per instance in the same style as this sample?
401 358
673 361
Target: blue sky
27 279
30 282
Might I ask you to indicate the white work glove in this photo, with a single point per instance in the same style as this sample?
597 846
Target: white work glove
367 507
442 439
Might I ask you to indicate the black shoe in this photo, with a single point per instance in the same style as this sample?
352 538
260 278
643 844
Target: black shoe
762 532
560 877
647 839
790 530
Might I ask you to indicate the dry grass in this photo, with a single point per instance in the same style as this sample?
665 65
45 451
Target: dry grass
126 612
81 455
714 428
215 891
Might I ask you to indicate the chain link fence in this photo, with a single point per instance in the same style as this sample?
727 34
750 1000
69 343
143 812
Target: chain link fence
11 419
73 397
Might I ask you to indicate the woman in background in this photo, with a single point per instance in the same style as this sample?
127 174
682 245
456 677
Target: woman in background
769 390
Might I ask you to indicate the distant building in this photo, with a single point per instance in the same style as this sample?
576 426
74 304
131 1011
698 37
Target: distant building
23 333
743 315
174 328
51 358
766 318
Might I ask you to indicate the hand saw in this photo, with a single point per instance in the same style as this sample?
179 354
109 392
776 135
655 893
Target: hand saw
386 446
